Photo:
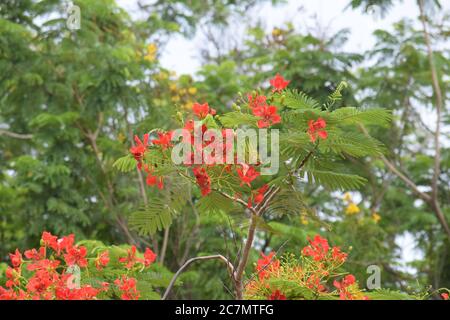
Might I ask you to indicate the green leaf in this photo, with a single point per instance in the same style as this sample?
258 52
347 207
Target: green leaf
335 181
125 164
236 118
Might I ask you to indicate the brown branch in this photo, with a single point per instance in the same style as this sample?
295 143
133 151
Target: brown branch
11 134
230 268
439 103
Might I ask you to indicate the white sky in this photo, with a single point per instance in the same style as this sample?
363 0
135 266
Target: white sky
182 54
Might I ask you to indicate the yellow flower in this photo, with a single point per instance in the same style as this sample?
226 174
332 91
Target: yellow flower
173 87
121 137
152 48
151 52
188 105
304 220
352 209
182 91
376 217
276 32
347 197
176 98
192 90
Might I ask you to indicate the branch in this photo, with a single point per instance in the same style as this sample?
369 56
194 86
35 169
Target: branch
439 103
15 135
187 263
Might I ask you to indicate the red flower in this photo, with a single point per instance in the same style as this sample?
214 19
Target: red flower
149 257
338 255
128 288
278 83
131 258
259 196
445 296
102 260
203 180
257 101
164 140
247 174
268 116
267 264
317 249
13 276
45 264
76 255
33 254
139 149
49 240
316 129
277 295
16 258
348 280
202 110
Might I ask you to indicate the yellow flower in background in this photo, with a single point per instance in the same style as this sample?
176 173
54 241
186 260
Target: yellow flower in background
183 91
121 137
352 209
376 217
276 32
173 86
347 197
176 98
304 220
192 90
188 105
151 52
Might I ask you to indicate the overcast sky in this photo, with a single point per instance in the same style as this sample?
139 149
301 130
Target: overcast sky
182 54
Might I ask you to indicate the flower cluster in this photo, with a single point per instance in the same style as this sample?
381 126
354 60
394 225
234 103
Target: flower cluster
49 272
314 275
202 164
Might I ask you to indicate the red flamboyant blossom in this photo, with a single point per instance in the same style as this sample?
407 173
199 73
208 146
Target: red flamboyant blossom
444 296
44 264
76 255
130 260
203 180
127 286
164 140
316 129
338 255
16 258
347 281
49 240
149 257
267 264
202 110
33 254
258 197
139 149
277 295
102 260
13 276
278 83
56 244
268 115
256 101
152 180
247 174
318 248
